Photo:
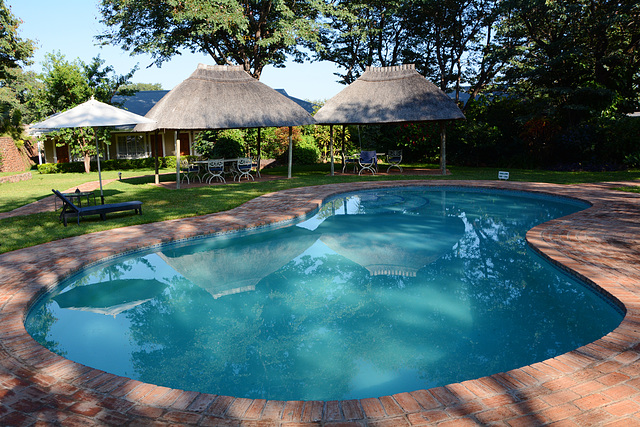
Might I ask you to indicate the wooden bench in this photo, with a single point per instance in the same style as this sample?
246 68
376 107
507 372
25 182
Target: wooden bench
69 210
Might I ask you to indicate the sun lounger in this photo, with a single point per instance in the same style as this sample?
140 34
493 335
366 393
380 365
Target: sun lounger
69 210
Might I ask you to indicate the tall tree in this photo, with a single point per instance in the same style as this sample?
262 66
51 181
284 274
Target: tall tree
450 41
15 52
453 42
365 33
67 84
582 55
233 32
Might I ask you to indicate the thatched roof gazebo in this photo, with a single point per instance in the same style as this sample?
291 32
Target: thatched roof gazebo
383 95
224 97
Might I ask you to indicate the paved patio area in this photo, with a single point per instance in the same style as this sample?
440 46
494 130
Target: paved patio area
598 384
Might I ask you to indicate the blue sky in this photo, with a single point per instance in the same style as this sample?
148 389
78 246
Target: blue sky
71 26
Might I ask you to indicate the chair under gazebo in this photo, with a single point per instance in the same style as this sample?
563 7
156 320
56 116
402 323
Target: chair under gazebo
383 95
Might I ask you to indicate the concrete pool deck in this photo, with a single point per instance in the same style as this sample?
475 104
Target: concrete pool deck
597 384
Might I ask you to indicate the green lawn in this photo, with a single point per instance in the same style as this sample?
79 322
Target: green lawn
161 204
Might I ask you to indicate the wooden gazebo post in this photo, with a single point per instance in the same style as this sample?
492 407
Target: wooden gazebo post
331 147
177 136
290 150
157 167
443 149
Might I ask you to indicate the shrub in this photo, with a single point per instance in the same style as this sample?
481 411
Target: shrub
305 152
204 143
112 164
230 144
46 168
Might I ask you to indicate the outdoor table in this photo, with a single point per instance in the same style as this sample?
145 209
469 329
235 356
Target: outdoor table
77 196
205 164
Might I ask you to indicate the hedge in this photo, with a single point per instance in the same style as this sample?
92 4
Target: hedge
113 164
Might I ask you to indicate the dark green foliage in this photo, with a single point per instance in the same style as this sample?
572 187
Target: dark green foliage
306 152
113 164
15 52
221 144
253 34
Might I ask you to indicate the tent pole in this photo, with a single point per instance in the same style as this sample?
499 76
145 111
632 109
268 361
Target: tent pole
177 134
331 147
290 150
95 133
155 142
443 150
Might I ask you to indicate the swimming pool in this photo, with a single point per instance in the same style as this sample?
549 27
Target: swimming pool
324 310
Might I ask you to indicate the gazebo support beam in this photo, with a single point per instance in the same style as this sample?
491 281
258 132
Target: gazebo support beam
177 136
290 150
259 150
343 147
157 166
443 149
331 147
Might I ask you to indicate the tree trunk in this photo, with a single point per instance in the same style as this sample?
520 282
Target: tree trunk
87 163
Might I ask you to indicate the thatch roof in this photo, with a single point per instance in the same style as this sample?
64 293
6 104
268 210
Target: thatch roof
389 95
224 97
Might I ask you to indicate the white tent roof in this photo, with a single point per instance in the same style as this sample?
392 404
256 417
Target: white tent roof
94 114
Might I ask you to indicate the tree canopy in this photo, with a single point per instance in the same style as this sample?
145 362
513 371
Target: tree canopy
15 52
66 84
248 33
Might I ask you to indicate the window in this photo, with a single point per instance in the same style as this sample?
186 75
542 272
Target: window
131 147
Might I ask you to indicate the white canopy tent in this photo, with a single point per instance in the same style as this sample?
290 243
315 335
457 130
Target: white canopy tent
93 114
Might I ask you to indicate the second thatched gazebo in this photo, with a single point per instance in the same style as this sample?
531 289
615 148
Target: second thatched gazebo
224 97
383 95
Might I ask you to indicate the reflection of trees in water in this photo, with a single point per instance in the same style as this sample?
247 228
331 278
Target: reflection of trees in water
325 327
39 327
289 335
39 323
310 326
117 270
512 298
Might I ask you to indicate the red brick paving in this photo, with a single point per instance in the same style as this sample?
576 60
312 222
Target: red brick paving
597 384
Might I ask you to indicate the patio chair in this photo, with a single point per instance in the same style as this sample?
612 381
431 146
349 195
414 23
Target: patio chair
215 169
255 166
350 160
243 167
70 210
189 171
394 157
368 162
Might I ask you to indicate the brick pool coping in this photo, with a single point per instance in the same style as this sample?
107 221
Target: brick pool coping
597 384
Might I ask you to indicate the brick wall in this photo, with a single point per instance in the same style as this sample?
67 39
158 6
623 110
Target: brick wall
15 159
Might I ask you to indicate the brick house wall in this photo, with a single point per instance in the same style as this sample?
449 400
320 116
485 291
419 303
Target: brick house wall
16 159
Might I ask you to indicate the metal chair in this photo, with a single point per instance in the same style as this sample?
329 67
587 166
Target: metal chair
350 160
394 157
215 169
243 167
368 162
255 166
189 171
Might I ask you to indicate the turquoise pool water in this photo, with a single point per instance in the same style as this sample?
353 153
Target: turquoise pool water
379 292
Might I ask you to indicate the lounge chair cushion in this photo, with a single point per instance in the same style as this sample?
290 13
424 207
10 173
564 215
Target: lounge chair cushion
71 210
